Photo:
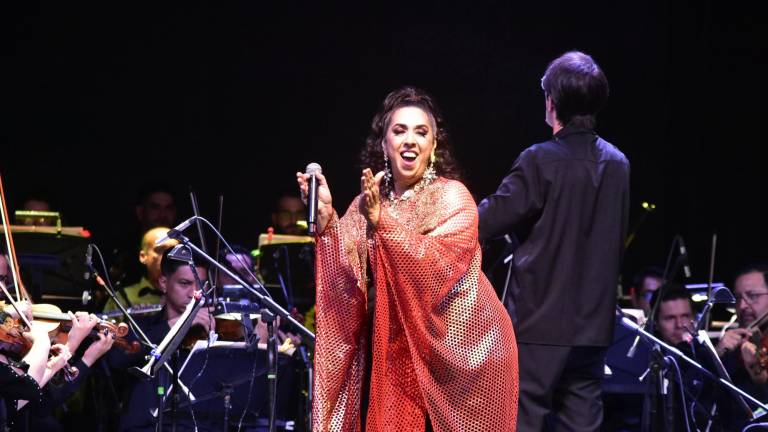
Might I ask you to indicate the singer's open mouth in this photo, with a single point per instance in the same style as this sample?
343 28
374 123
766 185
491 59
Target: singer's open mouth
409 155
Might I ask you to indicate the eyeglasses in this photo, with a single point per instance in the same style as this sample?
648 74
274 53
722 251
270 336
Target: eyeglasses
749 297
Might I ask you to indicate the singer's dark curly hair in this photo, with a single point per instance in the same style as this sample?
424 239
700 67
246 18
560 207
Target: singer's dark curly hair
372 155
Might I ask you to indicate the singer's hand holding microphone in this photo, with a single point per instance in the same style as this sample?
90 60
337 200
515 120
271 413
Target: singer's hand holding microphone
313 184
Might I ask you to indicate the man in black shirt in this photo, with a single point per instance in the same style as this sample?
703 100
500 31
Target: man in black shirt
178 284
675 325
566 200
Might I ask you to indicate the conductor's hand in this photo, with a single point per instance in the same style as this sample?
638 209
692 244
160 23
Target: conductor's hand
370 201
324 201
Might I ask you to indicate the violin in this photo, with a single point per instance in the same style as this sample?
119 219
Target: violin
759 337
12 341
17 345
51 316
58 324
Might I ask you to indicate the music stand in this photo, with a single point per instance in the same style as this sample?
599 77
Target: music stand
222 394
39 218
52 265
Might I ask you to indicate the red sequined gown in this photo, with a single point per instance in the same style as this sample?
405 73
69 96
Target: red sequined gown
443 345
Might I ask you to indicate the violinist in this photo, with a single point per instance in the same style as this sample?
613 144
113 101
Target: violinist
82 326
21 380
738 348
178 284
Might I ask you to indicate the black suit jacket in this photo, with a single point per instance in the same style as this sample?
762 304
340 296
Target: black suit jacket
567 201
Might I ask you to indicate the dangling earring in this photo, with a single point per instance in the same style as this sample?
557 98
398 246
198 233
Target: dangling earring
429 173
387 170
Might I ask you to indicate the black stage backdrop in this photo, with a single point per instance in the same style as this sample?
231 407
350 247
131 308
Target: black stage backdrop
234 97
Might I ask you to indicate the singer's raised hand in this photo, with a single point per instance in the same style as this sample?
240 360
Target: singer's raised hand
370 202
324 201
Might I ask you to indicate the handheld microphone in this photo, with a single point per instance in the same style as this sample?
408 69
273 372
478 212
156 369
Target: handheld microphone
684 257
179 228
312 169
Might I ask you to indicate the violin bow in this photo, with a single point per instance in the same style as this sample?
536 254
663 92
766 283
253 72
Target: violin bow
13 263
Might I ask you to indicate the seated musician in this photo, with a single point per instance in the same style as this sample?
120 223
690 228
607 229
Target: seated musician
147 290
675 326
240 262
21 380
41 415
644 285
674 318
288 211
736 348
178 284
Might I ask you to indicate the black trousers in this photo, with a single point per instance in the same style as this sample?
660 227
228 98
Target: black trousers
560 388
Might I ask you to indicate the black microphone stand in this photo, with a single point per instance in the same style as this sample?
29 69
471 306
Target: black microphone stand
269 319
309 367
660 393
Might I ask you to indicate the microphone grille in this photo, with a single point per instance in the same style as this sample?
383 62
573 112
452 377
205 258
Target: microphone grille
314 168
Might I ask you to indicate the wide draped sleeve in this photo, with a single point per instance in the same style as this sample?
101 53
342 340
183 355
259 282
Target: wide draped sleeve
443 343
340 323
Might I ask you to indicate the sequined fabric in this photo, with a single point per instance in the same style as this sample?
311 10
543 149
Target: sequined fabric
443 345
